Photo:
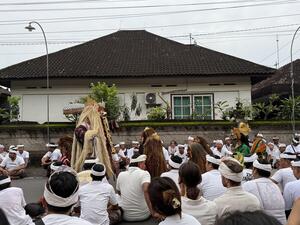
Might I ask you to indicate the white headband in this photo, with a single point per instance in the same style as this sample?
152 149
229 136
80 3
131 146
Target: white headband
190 138
296 163
53 167
260 135
88 161
287 156
227 138
227 173
265 167
181 146
51 145
55 200
135 142
117 146
98 173
20 146
12 151
252 158
174 164
213 160
122 143
281 145
219 142
4 181
141 158
295 141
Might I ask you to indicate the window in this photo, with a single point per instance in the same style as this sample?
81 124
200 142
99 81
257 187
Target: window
192 106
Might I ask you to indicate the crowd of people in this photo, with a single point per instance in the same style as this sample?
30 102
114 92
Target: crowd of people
230 181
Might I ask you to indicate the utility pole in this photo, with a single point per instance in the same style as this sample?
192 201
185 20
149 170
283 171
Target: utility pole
277 48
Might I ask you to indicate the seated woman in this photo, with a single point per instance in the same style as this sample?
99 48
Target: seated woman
197 154
193 203
165 200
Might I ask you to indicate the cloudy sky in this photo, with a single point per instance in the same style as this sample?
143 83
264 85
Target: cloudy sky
244 28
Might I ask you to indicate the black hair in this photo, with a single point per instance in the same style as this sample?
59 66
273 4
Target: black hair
247 218
176 159
249 165
3 218
34 210
164 196
261 172
135 155
63 184
215 166
190 176
6 185
99 168
57 163
88 166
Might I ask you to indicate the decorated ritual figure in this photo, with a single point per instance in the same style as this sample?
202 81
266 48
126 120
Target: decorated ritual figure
240 143
259 146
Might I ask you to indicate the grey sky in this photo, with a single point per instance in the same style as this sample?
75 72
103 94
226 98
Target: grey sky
252 39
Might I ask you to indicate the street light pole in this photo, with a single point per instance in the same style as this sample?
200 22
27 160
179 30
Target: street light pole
31 28
292 83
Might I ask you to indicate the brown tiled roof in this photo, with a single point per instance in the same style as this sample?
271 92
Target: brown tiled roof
133 54
279 83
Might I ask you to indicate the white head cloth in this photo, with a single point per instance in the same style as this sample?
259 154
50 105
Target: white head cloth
282 145
5 181
20 146
190 138
287 156
227 138
54 167
1 146
260 135
271 143
12 149
98 173
265 167
251 158
122 143
48 145
117 146
141 158
181 146
213 160
135 142
219 142
174 164
89 161
228 173
296 163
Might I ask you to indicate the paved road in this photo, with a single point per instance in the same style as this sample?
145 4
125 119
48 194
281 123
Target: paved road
33 188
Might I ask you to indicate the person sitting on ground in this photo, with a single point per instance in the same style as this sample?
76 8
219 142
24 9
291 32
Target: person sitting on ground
181 152
3 153
166 202
35 210
12 202
95 197
292 189
265 190
285 172
197 154
13 165
235 198
294 147
132 186
84 176
211 184
24 154
174 164
247 218
219 150
172 147
193 203
61 194
53 154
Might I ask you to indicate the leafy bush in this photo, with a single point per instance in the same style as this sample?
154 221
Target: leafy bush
156 113
13 102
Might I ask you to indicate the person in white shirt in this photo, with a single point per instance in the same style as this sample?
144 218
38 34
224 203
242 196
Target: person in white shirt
123 148
174 163
61 194
134 148
294 147
227 144
247 171
285 172
95 197
273 153
235 198
132 186
219 150
172 147
211 184
13 165
52 155
166 202
182 153
292 189
12 202
3 153
193 203
24 154
266 191
166 154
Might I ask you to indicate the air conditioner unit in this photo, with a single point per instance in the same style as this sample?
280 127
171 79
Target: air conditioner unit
150 98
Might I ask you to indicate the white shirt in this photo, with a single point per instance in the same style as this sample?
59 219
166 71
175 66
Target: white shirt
247 175
166 154
61 219
211 185
293 149
24 155
132 201
12 202
9 164
226 150
283 176
236 199
291 193
131 151
173 174
269 195
182 156
53 156
184 220
203 210
94 198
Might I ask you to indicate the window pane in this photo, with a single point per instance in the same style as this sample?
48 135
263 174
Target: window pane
207 110
186 101
177 111
177 101
207 100
198 100
198 110
186 111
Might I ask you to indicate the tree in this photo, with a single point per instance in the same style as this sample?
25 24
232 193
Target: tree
156 113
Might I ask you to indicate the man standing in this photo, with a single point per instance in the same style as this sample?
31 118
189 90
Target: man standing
132 186
285 172
13 165
292 189
211 185
266 191
95 197
235 198
22 153
12 202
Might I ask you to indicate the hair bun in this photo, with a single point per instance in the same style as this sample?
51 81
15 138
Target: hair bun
171 199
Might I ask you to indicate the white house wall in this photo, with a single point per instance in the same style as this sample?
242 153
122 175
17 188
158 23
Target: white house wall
33 104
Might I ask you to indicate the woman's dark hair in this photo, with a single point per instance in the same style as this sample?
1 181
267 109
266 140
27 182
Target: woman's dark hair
63 184
3 218
201 140
198 156
164 196
6 185
261 172
247 218
34 210
190 176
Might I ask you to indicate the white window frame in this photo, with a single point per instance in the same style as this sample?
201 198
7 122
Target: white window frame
211 105
173 105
